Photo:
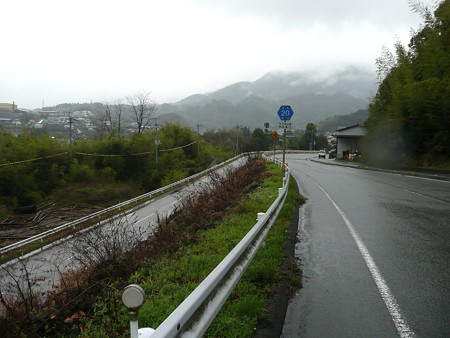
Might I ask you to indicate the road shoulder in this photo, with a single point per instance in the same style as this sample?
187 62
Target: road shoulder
272 324
443 175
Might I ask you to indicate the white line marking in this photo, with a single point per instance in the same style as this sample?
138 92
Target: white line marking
144 218
389 300
426 196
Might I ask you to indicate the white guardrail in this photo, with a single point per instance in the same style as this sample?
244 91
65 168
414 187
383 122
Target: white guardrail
117 207
195 314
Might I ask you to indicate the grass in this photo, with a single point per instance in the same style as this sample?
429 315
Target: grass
169 265
100 194
169 281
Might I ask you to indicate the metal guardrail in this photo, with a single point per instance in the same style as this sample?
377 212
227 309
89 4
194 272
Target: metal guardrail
117 207
194 315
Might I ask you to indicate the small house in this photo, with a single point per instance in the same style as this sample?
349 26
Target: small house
348 140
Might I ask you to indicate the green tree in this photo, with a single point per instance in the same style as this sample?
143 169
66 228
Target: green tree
260 140
409 116
33 165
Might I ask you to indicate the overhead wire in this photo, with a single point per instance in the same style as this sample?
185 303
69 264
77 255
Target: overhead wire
97 155
32 160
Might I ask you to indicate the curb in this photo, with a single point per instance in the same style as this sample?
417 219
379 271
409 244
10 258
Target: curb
431 175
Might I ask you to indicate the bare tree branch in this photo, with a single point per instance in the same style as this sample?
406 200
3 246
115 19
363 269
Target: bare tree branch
143 109
108 118
420 8
384 63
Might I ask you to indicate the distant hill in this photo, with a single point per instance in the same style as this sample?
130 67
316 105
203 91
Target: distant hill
313 97
251 104
333 123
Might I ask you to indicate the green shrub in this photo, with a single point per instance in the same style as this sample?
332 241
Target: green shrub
81 172
108 174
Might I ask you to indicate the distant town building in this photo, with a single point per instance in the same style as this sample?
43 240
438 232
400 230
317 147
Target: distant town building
8 107
5 120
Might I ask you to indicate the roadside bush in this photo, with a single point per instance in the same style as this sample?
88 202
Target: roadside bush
87 302
81 172
173 176
108 174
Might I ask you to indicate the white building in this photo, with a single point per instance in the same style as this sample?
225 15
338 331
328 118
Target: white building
349 139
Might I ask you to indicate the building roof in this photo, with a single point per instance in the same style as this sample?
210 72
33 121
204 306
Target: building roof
349 127
356 130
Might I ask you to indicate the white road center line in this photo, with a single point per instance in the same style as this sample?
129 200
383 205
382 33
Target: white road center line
389 300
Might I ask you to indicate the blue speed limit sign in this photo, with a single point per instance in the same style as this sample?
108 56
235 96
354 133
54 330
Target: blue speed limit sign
285 113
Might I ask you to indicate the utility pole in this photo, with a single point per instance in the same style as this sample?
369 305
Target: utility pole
311 144
198 139
70 140
156 140
71 121
237 139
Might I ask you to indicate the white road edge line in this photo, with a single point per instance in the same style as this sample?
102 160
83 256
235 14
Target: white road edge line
144 218
426 196
389 300
404 175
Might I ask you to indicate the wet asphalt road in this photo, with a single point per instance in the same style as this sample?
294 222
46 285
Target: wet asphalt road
375 254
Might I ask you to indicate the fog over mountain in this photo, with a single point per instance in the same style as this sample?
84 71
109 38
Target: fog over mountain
313 97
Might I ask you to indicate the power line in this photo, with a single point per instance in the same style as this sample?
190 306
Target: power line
137 154
32 160
95 155
187 145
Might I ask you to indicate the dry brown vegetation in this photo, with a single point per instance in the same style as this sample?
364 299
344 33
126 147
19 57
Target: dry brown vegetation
104 266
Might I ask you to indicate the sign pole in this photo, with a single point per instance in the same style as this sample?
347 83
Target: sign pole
283 166
275 138
274 145
285 113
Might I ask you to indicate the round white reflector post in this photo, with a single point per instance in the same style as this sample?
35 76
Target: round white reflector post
133 298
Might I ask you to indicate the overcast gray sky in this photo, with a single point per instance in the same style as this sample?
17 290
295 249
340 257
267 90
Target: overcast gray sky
60 51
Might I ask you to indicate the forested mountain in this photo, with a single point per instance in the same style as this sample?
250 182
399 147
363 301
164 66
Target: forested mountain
313 97
410 114
251 104
331 124
277 85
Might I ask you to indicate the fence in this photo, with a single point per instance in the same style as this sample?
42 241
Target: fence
194 315
117 207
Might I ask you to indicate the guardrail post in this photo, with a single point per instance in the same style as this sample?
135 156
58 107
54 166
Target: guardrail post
260 215
280 191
